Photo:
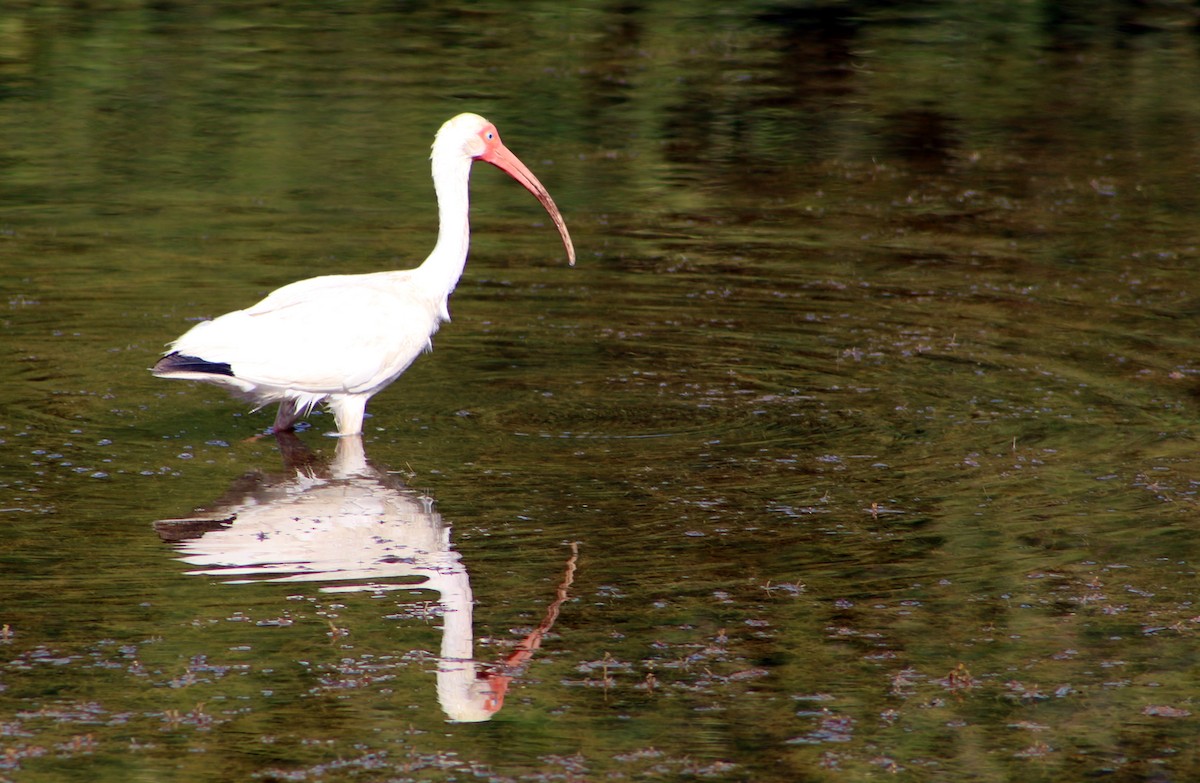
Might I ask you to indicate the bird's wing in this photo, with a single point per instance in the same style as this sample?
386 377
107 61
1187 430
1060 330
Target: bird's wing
328 335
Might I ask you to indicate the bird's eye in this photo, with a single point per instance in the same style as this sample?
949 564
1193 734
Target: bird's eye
491 135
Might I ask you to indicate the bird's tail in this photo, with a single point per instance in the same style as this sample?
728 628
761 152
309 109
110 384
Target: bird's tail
179 365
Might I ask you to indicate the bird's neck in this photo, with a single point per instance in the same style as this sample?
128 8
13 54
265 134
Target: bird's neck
444 266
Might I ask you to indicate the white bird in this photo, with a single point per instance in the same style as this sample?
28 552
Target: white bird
343 338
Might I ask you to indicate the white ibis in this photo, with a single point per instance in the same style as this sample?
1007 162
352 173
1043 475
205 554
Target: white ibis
343 338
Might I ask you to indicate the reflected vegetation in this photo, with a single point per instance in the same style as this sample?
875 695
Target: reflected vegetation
350 523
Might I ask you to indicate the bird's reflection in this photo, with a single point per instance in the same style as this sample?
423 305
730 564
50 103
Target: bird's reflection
348 523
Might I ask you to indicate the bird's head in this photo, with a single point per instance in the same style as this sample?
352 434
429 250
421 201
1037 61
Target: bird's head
465 134
471 136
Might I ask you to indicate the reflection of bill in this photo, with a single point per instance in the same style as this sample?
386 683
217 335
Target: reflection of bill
361 529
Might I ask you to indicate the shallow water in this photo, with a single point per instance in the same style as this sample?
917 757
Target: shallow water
859 443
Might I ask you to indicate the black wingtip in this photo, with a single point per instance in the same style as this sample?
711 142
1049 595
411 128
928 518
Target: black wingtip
178 362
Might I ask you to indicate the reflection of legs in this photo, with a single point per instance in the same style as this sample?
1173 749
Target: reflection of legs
348 411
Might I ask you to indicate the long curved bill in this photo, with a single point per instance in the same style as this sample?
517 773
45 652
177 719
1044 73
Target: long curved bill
503 159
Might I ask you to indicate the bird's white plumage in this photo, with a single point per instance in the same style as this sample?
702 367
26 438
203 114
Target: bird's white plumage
342 338
383 324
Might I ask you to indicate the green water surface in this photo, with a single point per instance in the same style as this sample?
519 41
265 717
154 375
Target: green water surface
870 407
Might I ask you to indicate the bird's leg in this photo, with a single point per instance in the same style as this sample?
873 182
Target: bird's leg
348 411
289 411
